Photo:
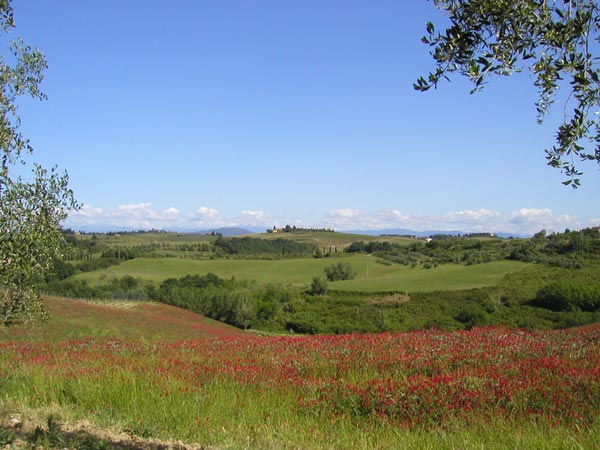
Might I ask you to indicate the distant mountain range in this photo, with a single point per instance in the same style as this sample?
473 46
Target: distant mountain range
230 231
425 233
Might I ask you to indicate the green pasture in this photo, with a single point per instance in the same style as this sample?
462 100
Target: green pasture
371 274
378 278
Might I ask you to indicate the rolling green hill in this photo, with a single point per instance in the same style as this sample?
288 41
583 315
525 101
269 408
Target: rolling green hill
372 275
447 277
328 239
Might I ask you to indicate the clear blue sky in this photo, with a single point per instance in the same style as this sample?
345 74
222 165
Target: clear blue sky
199 114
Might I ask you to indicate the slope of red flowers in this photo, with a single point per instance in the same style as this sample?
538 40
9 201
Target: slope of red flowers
423 378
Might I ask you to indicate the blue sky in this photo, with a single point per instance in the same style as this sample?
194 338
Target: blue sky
201 114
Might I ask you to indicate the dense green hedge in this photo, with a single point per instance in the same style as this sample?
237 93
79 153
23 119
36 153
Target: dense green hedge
567 296
255 246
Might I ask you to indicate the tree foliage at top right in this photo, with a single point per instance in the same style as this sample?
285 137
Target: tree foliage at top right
554 39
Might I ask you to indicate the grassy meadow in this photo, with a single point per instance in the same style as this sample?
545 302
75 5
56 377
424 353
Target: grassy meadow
372 274
379 277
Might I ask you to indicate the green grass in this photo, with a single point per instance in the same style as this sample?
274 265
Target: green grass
221 419
300 271
444 277
285 271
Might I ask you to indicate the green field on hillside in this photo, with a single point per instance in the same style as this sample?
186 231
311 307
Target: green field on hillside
443 277
371 274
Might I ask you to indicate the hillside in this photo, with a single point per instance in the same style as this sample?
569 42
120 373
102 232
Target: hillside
332 239
492 388
142 321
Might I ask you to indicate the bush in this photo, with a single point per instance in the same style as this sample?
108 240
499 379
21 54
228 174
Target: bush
339 271
470 316
318 286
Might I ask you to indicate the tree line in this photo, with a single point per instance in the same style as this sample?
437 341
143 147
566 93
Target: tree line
569 249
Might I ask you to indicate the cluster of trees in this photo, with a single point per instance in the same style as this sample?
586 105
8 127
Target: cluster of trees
568 249
324 252
371 247
223 300
62 269
151 231
441 250
124 288
237 303
295 229
567 296
249 246
79 249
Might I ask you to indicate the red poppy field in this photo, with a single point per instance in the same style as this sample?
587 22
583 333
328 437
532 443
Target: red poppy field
490 387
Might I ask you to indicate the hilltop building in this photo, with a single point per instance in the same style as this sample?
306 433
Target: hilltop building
294 229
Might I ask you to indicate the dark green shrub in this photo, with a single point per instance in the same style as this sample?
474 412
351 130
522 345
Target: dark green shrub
97 264
567 296
318 286
339 271
471 316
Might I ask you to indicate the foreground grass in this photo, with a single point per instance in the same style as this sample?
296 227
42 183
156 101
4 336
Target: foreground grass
371 275
490 388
